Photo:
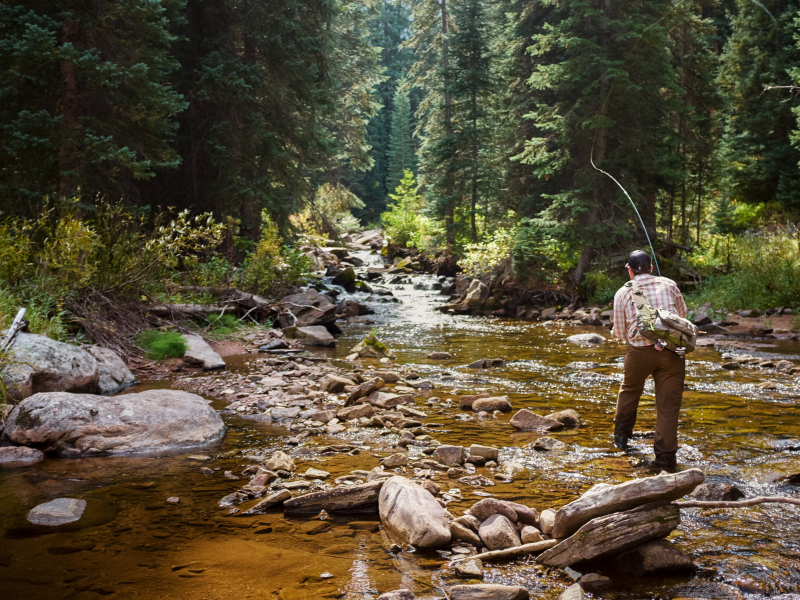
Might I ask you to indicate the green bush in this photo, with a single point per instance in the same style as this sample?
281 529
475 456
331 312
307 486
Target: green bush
224 324
159 345
600 288
481 258
44 313
406 226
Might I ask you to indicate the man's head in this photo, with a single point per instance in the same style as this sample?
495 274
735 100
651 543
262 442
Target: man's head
639 263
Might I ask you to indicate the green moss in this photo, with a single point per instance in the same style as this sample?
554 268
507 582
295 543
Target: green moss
373 342
160 345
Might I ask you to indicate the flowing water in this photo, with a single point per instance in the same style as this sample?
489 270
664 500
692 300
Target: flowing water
131 543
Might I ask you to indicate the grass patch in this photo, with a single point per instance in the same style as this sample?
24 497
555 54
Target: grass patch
223 324
159 345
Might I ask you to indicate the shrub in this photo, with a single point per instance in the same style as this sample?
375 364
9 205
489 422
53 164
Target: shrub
406 225
159 345
223 324
481 258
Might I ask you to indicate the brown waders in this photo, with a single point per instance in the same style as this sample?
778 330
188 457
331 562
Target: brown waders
668 371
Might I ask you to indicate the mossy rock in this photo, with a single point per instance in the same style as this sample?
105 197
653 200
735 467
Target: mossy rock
346 278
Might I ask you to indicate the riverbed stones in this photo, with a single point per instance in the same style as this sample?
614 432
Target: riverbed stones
586 338
16 456
501 403
333 384
573 592
486 363
411 513
439 356
487 452
568 418
547 520
355 412
395 460
614 533
498 533
458 531
450 455
280 461
548 444
154 421
530 534
604 499
357 498
313 473
488 591
200 354
732 366
483 509
271 501
717 491
306 308
397 595
472 568
323 416
658 556
57 512
44 365
364 389
527 420
113 372
466 402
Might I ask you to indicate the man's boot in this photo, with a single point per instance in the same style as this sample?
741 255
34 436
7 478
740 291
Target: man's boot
665 461
621 437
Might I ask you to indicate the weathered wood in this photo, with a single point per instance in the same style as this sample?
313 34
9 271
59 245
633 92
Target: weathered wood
737 503
346 499
614 533
512 552
18 324
604 499
166 310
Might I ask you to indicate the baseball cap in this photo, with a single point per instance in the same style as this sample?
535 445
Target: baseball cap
638 260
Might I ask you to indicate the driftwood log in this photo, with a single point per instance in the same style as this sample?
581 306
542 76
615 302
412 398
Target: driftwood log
512 552
604 499
167 310
614 533
737 503
17 325
353 498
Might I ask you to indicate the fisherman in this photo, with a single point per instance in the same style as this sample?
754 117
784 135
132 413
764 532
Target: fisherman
646 357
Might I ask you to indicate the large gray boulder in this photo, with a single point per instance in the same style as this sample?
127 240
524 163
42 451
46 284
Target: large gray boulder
150 422
411 513
200 354
477 294
114 374
308 307
44 365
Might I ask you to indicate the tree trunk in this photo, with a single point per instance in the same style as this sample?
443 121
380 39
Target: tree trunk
449 212
70 114
474 165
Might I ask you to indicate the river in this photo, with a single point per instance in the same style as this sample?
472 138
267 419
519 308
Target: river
131 543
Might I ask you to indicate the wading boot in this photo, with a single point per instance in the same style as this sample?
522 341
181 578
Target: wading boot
665 462
621 438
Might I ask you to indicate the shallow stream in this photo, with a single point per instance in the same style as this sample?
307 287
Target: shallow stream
131 543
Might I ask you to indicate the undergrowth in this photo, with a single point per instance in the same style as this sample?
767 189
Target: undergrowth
159 345
223 324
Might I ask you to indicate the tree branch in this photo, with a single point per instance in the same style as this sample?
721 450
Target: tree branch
738 503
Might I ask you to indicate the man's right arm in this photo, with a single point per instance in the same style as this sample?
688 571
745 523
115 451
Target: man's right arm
620 325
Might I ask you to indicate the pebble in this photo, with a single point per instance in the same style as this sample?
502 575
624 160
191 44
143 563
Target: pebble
173 499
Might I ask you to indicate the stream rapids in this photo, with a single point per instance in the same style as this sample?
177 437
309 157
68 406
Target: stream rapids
130 543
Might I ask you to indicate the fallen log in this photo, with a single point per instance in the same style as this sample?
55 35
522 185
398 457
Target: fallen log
348 499
737 503
167 310
512 552
18 324
614 533
605 499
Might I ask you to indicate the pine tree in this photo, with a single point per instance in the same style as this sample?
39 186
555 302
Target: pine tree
86 105
761 164
401 147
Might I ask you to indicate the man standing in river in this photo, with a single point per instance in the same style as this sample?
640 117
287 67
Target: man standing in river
644 358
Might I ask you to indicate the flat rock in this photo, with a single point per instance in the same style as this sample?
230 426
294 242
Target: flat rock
333 384
586 338
276 344
604 499
412 514
45 365
501 403
526 420
658 556
487 452
364 389
280 461
450 455
150 422
57 512
548 444
397 595
395 460
573 592
357 498
313 335
355 412
472 568
498 533
568 417
114 373
313 473
270 501
439 356
308 307
200 354
488 591
13 456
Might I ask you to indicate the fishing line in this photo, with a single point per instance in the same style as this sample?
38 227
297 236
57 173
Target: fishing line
594 140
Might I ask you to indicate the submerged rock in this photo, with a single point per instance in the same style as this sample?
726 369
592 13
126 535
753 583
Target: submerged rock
154 421
547 444
57 512
526 420
658 556
488 591
12 456
586 338
718 491
411 513
501 403
568 417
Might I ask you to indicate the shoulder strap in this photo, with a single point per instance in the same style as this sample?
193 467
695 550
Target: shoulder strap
639 299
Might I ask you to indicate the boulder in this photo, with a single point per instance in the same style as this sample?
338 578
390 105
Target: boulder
355 412
477 294
586 338
701 315
568 417
44 365
472 568
389 400
276 344
270 501
466 402
397 595
395 460
604 499
357 498
717 491
364 389
450 455
526 420
483 509
315 335
469 521
461 532
322 416
658 556
548 444
486 452
346 279
530 534
411 513
501 403
488 591
114 373
154 421
351 308
498 533
200 354
14 456
280 461
333 384
308 308
57 512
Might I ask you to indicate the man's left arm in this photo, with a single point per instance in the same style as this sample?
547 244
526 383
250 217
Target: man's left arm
680 303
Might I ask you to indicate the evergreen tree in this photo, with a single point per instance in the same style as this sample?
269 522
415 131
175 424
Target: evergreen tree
401 146
761 163
85 105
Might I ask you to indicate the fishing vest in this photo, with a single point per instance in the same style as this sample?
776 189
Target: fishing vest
657 324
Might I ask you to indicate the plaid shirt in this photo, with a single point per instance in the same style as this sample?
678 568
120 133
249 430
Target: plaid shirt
660 293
